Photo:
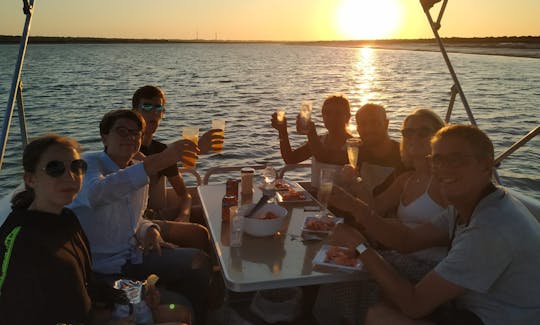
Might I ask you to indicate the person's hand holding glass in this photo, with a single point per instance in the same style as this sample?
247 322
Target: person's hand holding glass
214 138
279 121
304 118
192 134
353 145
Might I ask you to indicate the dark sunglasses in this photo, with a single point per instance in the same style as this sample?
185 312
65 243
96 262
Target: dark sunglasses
57 168
125 132
453 160
423 132
149 107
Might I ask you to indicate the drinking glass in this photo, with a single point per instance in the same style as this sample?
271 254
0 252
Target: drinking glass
220 125
191 134
269 187
325 188
305 116
280 114
269 175
236 226
352 150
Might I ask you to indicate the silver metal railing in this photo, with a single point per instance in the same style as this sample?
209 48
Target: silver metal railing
16 85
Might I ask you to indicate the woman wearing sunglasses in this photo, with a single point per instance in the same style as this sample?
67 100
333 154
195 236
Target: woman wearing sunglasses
44 252
414 198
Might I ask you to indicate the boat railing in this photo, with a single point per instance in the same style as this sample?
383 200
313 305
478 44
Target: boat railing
193 172
517 145
456 87
221 170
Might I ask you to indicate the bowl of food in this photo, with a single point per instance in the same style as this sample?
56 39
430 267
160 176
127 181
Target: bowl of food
266 221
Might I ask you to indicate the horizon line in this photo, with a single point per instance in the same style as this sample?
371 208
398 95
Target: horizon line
7 38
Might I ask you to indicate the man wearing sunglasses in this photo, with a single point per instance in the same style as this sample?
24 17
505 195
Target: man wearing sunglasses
492 270
111 206
149 101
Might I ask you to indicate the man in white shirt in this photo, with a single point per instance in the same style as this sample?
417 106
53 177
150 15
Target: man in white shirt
111 204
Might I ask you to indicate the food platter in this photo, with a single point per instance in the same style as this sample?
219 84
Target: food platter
337 258
291 192
320 225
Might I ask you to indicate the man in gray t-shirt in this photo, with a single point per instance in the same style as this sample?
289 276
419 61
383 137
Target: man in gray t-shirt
496 257
492 270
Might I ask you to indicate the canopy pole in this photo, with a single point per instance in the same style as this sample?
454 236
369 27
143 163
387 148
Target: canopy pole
426 5
28 8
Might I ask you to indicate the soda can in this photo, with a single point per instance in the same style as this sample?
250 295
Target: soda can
227 202
231 187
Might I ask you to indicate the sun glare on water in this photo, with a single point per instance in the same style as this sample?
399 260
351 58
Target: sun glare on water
368 19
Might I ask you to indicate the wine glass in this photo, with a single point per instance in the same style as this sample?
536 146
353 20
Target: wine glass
269 177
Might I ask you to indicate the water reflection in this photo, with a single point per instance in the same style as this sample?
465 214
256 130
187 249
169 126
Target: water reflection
363 74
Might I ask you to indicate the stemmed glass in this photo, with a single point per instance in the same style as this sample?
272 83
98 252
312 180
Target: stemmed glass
325 189
353 145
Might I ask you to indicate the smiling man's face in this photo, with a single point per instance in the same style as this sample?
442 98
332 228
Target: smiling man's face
460 172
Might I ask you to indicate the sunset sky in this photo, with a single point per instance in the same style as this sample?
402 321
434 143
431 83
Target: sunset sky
290 20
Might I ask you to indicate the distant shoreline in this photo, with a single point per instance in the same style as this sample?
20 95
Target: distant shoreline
517 46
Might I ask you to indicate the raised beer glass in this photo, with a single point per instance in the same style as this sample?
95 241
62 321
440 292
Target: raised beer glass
191 134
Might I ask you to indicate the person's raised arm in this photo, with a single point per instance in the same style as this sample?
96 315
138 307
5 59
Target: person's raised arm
101 187
176 151
289 156
326 154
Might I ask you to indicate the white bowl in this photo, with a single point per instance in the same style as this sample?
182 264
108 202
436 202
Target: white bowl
265 227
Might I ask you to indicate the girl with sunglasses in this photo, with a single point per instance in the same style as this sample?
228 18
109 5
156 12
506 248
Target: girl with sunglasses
44 252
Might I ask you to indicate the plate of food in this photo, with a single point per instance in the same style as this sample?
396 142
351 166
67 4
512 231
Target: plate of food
322 225
336 257
291 192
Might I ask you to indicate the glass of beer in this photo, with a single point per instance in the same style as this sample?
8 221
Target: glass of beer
352 150
191 134
325 188
280 114
220 125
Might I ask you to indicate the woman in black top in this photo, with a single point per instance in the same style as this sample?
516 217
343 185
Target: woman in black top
44 254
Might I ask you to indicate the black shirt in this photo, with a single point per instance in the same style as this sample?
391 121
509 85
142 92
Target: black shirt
156 147
393 159
46 268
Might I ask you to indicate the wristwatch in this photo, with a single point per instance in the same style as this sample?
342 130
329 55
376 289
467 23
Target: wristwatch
362 247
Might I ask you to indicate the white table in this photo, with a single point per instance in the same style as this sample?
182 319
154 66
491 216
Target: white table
279 261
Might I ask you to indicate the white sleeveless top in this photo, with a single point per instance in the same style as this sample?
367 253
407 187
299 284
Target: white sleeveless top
422 210
317 165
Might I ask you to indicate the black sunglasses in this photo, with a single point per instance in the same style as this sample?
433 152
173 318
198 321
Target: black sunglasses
57 168
422 132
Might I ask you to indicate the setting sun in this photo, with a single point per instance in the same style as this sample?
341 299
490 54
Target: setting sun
368 19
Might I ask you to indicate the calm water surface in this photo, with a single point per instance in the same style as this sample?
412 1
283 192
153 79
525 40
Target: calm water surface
68 88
